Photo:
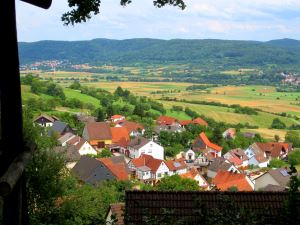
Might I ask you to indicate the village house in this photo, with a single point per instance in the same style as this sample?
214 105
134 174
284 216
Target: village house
120 139
237 157
275 150
118 166
148 169
94 171
140 145
81 145
220 164
134 129
59 128
45 120
198 121
256 156
70 153
194 175
225 180
203 144
229 133
98 134
176 166
65 138
117 118
166 120
277 177
189 155
175 128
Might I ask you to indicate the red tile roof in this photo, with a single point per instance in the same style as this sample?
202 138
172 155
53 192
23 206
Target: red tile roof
165 120
116 117
147 160
274 148
200 121
185 122
120 136
209 144
224 180
132 126
98 131
192 174
171 164
118 169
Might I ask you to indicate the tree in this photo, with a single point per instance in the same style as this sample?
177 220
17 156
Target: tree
294 157
99 113
293 137
84 9
276 137
277 163
76 85
278 124
176 183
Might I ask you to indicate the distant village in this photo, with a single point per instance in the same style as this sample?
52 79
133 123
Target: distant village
135 157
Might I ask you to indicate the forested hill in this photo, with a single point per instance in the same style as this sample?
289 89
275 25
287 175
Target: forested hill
208 52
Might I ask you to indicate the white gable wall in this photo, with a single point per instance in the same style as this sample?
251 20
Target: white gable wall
162 171
86 149
153 149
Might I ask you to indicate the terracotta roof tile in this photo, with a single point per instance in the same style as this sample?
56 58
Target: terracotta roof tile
185 122
119 169
132 126
171 164
99 131
116 116
147 160
207 142
165 120
120 135
200 121
273 148
224 180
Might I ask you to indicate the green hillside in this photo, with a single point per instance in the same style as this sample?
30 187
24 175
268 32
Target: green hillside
219 53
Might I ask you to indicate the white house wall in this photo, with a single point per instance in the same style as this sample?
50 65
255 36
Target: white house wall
86 149
152 149
163 170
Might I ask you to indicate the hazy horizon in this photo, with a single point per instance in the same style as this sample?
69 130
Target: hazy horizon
203 19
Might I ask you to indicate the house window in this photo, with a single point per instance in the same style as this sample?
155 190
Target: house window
149 150
151 145
166 173
159 175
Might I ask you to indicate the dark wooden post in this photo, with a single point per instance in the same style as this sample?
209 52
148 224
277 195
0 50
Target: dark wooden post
12 149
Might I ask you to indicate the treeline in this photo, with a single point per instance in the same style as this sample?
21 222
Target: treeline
200 87
237 108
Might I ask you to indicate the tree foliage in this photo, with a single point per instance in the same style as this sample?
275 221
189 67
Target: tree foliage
83 9
176 183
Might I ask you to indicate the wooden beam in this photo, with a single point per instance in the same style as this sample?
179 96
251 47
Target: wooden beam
45 4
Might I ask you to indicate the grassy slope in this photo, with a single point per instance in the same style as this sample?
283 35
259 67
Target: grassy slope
263 120
178 115
82 97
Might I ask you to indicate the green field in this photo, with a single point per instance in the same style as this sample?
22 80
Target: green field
178 115
262 120
70 93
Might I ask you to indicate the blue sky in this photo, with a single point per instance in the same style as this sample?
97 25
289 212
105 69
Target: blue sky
219 19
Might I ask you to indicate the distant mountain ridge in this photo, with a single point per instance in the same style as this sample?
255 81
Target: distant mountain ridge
145 50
